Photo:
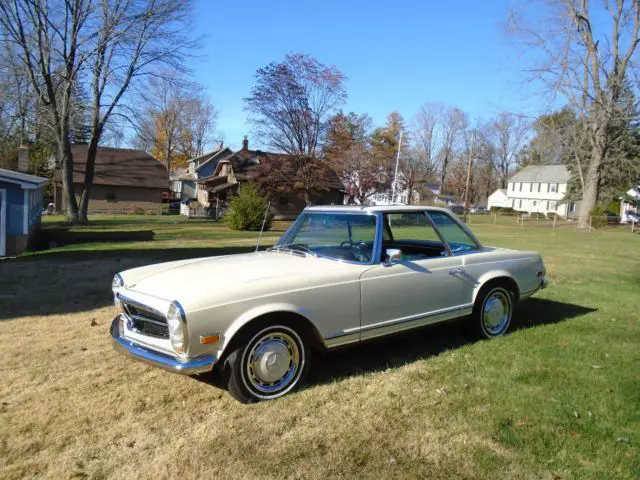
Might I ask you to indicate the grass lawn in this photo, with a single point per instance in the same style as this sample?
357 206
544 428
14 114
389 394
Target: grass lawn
557 398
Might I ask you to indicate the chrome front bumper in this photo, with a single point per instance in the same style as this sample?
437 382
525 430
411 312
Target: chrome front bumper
157 359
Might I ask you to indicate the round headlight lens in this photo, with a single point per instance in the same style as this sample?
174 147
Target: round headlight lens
117 283
175 322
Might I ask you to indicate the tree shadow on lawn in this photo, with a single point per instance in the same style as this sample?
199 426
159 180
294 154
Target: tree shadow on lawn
72 281
404 348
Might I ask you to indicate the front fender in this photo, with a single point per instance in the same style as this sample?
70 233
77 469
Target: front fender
261 310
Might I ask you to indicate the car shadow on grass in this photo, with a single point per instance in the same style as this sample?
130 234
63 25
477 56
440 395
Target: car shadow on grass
70 281
404 348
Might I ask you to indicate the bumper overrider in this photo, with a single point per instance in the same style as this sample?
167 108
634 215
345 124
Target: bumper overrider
157 359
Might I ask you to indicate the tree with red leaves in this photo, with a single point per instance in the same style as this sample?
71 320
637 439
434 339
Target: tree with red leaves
290 107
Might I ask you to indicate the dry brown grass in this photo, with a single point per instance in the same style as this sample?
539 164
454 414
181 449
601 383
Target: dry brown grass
427 405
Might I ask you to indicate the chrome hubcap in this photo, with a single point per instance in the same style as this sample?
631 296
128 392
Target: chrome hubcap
496 312
273 363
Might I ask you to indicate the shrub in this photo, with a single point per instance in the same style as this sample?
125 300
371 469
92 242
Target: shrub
504 211
598 217
247 209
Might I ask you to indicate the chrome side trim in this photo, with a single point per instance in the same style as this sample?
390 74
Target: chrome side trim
160 360
397 321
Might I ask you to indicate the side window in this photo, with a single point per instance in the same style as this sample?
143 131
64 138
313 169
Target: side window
411 226
458 240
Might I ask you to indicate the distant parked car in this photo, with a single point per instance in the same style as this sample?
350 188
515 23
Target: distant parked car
457 209
631 217
479 210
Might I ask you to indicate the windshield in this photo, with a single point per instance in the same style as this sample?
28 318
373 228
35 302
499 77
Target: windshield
339 236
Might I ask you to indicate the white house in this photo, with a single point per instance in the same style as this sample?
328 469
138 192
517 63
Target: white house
498 199
540 189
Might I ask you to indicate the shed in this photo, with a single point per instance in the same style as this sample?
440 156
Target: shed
20 209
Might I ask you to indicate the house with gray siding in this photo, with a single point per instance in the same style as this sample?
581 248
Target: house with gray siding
20 208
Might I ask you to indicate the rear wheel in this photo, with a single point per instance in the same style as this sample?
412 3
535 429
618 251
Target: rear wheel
268 363
492 311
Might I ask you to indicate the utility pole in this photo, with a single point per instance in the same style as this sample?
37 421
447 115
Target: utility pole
466 190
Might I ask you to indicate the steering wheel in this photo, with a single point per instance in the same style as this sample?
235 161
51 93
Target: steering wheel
360 252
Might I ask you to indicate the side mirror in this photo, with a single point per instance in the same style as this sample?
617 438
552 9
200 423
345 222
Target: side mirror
392 255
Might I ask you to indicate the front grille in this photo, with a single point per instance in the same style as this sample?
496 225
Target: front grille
146 321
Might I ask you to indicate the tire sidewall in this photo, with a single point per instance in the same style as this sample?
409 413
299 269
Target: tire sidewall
239 386
480 303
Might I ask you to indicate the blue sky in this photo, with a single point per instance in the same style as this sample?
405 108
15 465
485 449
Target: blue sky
396 54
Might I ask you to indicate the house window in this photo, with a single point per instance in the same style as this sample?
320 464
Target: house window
520 203
520 186
539 187
535 203
110 196
531 187
554 187
552 205
572 207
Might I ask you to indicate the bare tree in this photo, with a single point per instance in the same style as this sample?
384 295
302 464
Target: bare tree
426 126
586 62
199 120
290 107
109 43
48 36
177 121
454 122
508 133
134 39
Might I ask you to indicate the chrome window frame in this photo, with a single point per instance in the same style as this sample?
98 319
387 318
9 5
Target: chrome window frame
429 221
463 226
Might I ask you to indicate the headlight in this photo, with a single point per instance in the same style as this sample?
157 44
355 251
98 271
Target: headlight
116 284
176 323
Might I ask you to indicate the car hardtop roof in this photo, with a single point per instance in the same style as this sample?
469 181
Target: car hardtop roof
373 208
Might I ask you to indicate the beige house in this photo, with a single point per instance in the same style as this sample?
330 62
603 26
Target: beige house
124 180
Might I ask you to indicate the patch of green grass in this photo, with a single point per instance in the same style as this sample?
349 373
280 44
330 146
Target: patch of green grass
557 398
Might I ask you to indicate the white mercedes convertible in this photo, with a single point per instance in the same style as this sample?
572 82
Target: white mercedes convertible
339 275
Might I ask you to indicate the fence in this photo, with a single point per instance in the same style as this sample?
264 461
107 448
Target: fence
594 223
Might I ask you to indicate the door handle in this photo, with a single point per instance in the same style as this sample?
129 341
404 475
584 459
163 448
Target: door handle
456 271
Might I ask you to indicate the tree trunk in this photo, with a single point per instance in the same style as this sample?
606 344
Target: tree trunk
69 193
590 192
88 180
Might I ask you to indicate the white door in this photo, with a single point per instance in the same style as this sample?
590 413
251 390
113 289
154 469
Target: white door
3 222
423 284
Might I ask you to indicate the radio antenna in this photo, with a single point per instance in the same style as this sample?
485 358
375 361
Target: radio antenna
264 220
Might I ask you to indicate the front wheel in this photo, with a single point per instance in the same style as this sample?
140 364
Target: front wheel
267 364
492 311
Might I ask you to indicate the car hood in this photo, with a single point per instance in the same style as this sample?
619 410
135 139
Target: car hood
225 278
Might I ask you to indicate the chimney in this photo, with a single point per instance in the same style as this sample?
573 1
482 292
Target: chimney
23 158
245 143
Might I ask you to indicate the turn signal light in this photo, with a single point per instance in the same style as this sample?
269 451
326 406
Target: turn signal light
209 339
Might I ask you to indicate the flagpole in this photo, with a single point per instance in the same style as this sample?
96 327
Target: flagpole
395 176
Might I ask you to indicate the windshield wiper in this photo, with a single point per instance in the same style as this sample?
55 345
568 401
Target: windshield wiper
292 247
